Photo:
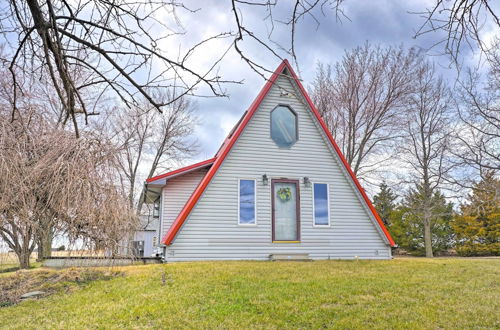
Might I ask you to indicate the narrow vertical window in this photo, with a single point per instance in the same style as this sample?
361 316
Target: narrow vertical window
156 208
321 204
247 202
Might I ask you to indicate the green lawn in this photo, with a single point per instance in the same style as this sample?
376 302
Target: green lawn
400 293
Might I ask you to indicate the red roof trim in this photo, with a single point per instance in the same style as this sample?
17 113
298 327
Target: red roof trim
341 156
193 199
228 144
182 169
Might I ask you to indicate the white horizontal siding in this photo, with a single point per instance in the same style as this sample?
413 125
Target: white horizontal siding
175 195
212 232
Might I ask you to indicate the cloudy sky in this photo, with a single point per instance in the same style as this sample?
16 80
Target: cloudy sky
383 22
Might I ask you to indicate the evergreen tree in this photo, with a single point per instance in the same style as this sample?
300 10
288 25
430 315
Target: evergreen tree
478 225
384 202
407 227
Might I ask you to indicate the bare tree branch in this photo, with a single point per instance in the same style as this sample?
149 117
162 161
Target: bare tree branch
363 100
462 22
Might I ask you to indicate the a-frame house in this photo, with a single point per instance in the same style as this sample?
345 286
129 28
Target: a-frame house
279 185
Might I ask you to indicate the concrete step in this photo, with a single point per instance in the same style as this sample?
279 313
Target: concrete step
290 257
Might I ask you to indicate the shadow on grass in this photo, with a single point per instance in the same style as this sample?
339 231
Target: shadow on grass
13 268
8 269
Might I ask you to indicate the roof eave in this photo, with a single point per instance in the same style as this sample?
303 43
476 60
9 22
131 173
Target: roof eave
161 179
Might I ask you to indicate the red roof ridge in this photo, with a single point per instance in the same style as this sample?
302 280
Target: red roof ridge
182 169
232 138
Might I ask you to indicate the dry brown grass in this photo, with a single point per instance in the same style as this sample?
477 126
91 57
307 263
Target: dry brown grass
13 286
8 258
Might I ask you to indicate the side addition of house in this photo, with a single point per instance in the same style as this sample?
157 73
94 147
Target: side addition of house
279 185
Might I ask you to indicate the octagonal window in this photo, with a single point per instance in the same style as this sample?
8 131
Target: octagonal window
283 126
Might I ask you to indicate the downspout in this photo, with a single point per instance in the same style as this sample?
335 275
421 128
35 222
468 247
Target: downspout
161 246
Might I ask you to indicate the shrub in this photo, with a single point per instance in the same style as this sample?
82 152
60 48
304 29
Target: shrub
471 250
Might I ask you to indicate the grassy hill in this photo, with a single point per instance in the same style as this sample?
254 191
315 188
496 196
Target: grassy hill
400 293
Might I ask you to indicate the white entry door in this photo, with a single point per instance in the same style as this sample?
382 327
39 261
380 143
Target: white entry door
286 210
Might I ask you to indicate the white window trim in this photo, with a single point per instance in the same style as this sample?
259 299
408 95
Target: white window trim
327 202
255 202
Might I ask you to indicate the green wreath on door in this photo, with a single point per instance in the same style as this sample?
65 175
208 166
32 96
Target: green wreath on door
285 194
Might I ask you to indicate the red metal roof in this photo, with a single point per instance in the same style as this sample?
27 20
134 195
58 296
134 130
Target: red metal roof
182 170
231 139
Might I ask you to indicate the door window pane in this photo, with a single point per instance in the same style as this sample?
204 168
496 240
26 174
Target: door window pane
321 212
247 202
285 211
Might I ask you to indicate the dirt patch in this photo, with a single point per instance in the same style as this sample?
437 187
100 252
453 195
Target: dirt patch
12 287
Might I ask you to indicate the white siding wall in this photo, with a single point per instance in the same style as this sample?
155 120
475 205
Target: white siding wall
175 195
150 239
212 231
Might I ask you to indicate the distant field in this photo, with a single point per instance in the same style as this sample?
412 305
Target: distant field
399 293
8 260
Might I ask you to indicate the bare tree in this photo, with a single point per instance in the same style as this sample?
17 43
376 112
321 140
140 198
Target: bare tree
152 141
48 174
116 47
428 122
363 100
494 73
479 111
112 42
463 23
40 98
478 105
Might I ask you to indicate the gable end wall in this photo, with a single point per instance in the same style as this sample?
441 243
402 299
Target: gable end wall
175 194
212 232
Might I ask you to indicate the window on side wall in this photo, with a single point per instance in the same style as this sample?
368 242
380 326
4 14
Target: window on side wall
156 208
321 205
247 199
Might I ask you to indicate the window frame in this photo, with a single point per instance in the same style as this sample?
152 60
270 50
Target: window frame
327 202
297 210
255 202
157 208
296 125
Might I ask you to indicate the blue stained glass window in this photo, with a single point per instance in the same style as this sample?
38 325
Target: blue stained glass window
321 209
247 202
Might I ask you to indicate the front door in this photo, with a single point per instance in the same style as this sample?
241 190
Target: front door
286 210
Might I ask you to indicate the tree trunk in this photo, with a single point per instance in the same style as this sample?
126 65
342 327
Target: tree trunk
24 258
45 244
427 211
428 239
